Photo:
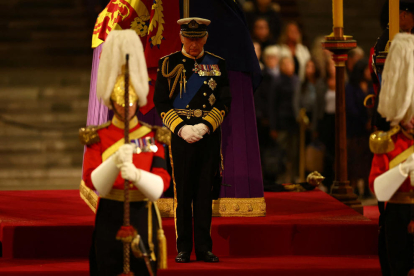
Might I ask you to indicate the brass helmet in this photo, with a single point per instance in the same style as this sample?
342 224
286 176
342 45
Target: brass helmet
118 93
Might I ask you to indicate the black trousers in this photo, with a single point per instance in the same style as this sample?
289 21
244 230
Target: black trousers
195 169
399 242
106 256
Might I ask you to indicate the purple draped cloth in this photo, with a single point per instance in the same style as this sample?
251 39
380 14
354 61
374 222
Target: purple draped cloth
240 147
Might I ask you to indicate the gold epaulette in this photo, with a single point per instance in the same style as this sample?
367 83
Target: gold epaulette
89 135
215 55
380 141
162 134
169 54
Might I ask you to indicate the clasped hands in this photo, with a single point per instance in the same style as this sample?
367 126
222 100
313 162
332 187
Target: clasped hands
123 160
192 134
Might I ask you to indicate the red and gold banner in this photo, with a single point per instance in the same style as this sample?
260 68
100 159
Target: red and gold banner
155 21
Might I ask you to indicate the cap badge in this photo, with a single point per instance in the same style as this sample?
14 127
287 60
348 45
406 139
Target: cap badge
193 24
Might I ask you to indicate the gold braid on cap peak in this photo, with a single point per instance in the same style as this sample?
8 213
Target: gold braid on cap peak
118 93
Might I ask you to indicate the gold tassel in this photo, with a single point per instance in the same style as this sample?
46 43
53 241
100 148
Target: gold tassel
181 87
150 243
162 249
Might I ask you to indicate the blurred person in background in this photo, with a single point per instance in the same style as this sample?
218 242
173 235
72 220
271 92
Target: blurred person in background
270 74
306 98
268 149
320 56
268 11
258 51
291 46
283 126
325 92
358 127
261 33
271 62
354 56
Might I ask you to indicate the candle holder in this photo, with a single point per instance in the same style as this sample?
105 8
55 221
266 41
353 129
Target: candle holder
340 44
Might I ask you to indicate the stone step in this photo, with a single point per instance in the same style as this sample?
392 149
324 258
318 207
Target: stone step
42 160
57 24
28 12
50 47
56 121
49 93
39 144
12 131
51 183
47 77
50 36
45 105
36 4
35 173
62 61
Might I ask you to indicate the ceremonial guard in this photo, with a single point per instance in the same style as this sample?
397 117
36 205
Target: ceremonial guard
108 162
377 57
406 23
192 96
391 176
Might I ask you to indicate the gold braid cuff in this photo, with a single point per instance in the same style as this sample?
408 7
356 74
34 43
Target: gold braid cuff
172 120
215 118
176 73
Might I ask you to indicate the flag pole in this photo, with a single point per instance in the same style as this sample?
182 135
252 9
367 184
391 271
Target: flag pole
186 9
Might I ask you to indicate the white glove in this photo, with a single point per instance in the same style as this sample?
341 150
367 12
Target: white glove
408 166
389 182
151 185
124 154
201 128
104 176
189 134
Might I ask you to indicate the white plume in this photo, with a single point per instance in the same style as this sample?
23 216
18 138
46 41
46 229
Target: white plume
116 46
397 88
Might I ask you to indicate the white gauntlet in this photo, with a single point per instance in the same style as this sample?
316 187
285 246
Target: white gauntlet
388 183
104 176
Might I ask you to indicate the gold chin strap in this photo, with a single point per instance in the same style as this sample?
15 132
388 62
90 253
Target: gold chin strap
177 73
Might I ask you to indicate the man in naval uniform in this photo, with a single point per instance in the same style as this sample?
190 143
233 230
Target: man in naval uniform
108 162
192 96
392 170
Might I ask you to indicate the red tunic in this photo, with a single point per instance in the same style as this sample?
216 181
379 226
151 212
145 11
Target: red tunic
380 162
153 162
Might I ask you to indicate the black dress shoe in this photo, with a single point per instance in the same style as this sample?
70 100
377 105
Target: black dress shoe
207 257
182 257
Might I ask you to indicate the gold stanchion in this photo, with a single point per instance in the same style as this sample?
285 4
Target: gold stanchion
303 124
339 45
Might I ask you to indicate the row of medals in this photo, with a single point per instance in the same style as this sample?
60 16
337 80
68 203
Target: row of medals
146 144
204 70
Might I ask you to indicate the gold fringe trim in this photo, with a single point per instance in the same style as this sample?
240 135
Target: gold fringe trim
162 241
223 207
89 196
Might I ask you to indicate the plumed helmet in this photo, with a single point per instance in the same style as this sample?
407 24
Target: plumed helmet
110 83
396 99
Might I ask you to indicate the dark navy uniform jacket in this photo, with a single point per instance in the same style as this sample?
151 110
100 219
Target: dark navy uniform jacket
201 94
